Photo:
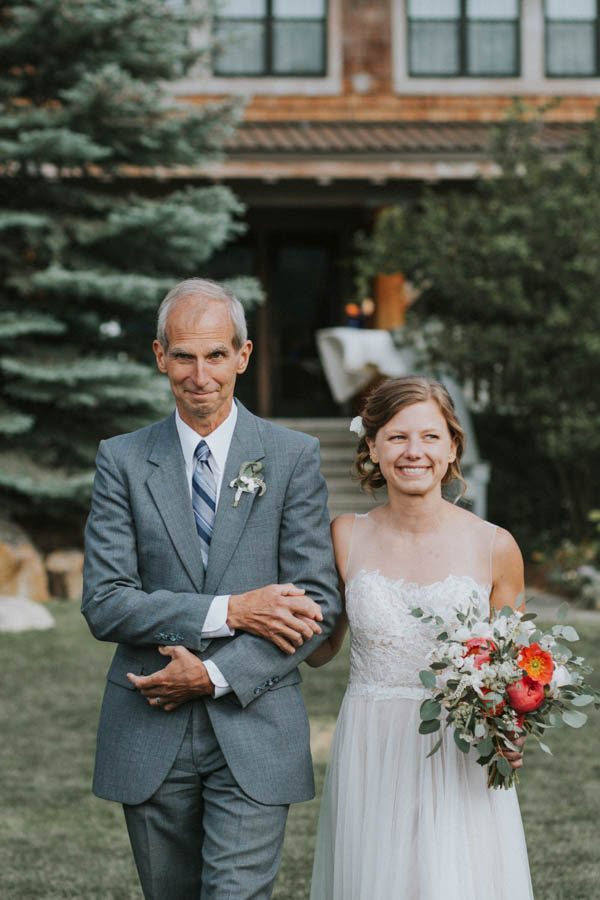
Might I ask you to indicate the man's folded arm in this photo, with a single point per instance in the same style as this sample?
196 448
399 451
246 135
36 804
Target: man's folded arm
250 664
114 604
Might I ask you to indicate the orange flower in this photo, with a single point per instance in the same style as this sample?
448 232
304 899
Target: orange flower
537 663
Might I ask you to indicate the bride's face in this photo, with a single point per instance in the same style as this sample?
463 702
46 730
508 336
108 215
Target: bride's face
414 449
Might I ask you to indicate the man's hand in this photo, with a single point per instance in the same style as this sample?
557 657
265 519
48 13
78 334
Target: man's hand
279 612
514 758
184 678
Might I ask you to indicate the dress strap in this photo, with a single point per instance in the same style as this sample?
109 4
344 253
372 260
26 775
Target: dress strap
358 524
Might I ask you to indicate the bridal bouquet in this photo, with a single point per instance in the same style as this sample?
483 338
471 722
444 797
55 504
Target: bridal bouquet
495 681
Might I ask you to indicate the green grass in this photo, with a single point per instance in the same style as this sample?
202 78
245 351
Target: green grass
58 841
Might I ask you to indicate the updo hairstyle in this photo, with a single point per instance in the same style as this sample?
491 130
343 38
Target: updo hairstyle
382 404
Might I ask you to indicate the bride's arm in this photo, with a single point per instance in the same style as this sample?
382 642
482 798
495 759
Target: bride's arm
341 533
508 583
508 580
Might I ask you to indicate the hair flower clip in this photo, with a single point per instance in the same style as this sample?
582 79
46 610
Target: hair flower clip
356 426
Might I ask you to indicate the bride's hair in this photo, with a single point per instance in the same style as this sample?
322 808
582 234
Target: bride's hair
382 404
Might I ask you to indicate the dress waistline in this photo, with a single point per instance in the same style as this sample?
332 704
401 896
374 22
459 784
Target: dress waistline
386 692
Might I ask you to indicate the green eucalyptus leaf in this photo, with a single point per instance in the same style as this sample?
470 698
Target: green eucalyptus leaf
429 727
545 748
435 748
430 709
582 700
504 767
528 617
485 747
574 718
428 679
563 612
569 633
462 745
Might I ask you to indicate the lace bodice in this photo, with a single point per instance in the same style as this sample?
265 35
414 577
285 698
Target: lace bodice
389 646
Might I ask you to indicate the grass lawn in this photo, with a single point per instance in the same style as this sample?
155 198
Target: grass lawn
58 841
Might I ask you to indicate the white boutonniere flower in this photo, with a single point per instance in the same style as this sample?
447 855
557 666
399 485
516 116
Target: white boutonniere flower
248 481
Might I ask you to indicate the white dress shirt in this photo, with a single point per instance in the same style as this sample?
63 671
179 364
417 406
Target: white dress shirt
219 441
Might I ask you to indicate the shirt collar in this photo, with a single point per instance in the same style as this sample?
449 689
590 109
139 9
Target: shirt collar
218 440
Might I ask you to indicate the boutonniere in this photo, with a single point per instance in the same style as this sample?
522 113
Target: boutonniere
248 481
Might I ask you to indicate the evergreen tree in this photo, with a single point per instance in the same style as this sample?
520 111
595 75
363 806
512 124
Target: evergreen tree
90 238
509 273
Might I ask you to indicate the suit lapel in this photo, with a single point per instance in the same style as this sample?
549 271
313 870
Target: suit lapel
230 521
168 487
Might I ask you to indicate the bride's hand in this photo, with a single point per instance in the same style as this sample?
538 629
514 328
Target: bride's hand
514 758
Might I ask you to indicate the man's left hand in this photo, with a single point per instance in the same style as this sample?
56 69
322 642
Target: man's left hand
184 678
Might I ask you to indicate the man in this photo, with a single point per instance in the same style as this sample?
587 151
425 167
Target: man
208 560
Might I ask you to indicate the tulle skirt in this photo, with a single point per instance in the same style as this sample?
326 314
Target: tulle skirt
395 825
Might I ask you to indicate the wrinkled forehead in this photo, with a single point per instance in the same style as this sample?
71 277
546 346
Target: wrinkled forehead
195 317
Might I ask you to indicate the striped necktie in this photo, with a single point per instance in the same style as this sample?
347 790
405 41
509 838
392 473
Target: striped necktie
204 493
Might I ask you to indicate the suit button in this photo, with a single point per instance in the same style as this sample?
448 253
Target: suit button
257 691
275 679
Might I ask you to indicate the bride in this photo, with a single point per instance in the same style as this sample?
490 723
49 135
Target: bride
395 825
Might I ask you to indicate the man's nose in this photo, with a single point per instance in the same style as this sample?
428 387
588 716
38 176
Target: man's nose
200 374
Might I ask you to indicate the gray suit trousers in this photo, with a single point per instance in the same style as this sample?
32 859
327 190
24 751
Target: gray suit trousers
200 837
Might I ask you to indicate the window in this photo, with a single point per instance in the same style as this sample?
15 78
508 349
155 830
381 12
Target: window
271 37
463 38
572 38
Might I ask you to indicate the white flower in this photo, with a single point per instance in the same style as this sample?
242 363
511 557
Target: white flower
482 630
356 426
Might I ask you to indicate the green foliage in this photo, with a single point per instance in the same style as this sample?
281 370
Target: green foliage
509 278
93 235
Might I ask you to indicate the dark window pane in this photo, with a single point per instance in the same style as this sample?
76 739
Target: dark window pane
491 48
298 47
242 48
434 48
571 48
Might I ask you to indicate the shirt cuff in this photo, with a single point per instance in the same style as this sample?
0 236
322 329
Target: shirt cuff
215 623
221 684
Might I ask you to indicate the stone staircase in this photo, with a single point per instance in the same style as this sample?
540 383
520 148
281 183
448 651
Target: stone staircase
338 446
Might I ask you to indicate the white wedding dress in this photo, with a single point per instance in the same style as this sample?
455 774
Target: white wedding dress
395 825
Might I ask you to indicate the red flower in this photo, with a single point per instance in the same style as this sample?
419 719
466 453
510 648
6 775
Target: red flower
525 695
537 663
481 649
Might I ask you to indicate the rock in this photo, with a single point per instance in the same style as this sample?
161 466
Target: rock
20 614
22 572
65 574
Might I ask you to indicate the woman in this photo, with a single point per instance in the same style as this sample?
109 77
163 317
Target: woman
395 825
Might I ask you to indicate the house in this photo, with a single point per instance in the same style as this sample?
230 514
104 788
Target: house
355 104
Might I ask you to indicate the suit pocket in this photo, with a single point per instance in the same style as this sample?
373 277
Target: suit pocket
120 666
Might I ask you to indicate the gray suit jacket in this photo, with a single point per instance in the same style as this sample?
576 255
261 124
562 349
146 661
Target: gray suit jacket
145 585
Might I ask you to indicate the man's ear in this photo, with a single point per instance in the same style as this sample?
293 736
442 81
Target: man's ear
244 357
160 354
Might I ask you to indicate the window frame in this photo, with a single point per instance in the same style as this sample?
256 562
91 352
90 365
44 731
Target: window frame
463 21
268 21
562 75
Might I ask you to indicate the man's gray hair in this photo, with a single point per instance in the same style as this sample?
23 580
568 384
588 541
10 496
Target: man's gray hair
207 290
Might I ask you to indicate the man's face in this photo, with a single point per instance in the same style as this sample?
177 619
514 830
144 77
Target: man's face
201 363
